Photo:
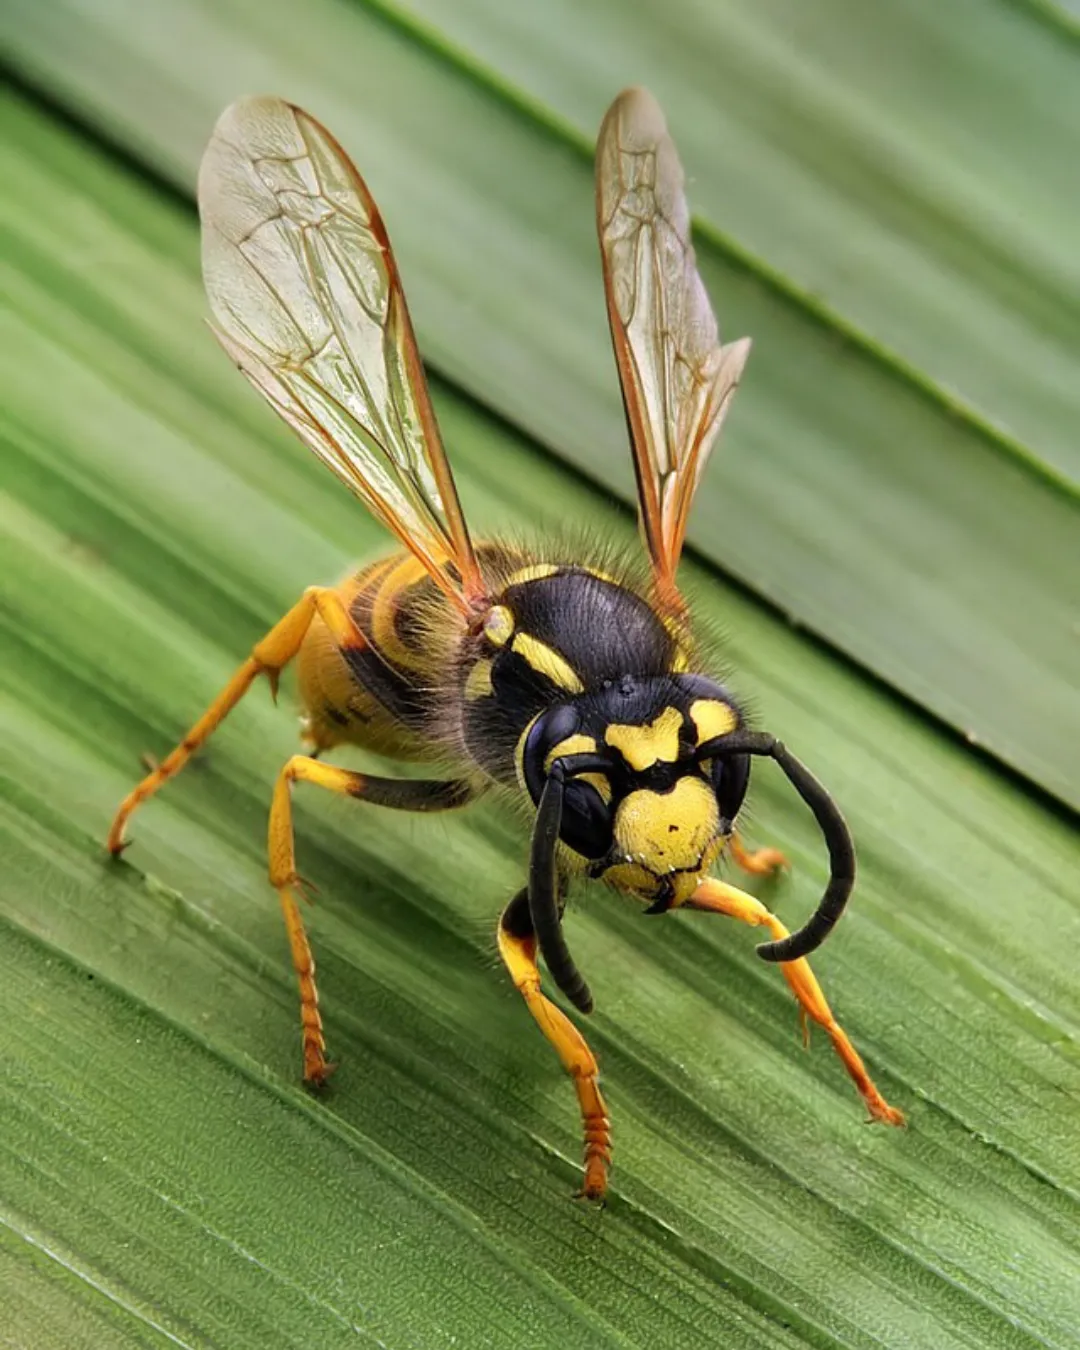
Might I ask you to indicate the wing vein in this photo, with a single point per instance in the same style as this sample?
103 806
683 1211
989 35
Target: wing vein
307 301
677 379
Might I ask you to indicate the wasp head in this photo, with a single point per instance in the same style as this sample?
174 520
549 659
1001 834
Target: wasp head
641 809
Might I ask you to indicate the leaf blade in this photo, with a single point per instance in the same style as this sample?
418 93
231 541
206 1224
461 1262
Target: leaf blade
823 428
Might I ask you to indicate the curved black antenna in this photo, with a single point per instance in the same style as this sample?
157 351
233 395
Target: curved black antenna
545 908
833 827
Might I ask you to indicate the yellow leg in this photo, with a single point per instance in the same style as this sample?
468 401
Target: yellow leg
518 951
406 794
761 862
720 898
268 657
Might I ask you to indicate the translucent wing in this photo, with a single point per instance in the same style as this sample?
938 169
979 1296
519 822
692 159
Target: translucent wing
677 380
307 301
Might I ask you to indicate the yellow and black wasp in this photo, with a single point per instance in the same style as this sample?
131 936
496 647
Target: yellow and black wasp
544 675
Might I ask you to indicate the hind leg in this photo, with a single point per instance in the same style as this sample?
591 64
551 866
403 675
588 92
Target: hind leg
268 657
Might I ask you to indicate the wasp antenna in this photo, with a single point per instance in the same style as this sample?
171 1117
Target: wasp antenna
833 827
841 848
545 907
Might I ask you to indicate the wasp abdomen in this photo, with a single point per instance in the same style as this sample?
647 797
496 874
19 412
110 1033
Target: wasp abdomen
383 693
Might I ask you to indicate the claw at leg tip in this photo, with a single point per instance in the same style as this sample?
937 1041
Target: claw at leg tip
593 1196
318 1077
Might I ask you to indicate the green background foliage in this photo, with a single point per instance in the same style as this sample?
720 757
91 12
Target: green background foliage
888 538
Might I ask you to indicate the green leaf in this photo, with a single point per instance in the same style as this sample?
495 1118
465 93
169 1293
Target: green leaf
901 166
858 493
163 1178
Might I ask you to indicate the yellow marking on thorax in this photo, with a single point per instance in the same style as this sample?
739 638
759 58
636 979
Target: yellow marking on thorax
384 610
478 681
547 661
650 744
537 572
712 717
680 634
499 626
580 744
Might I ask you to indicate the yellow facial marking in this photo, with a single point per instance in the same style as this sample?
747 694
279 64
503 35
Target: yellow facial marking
632 879
580 745
547 661
647 745
635 880
671 831
537 572
499 626
684 884
712 717
478 681
680 661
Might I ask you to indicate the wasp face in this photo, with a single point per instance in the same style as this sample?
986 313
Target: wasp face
653 818
664 841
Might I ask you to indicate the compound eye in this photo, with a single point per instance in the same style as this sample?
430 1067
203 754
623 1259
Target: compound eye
586 820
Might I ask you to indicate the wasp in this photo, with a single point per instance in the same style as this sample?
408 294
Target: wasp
575 684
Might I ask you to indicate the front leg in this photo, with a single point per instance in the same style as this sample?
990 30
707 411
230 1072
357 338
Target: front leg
719 898
517 947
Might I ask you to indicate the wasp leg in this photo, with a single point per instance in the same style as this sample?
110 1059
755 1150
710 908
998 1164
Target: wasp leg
402 794
719 898
517 946
758 862
268 657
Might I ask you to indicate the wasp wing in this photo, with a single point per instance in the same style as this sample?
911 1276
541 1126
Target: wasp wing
307 301
677 380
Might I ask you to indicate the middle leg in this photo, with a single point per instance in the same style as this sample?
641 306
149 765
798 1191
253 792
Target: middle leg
758 862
